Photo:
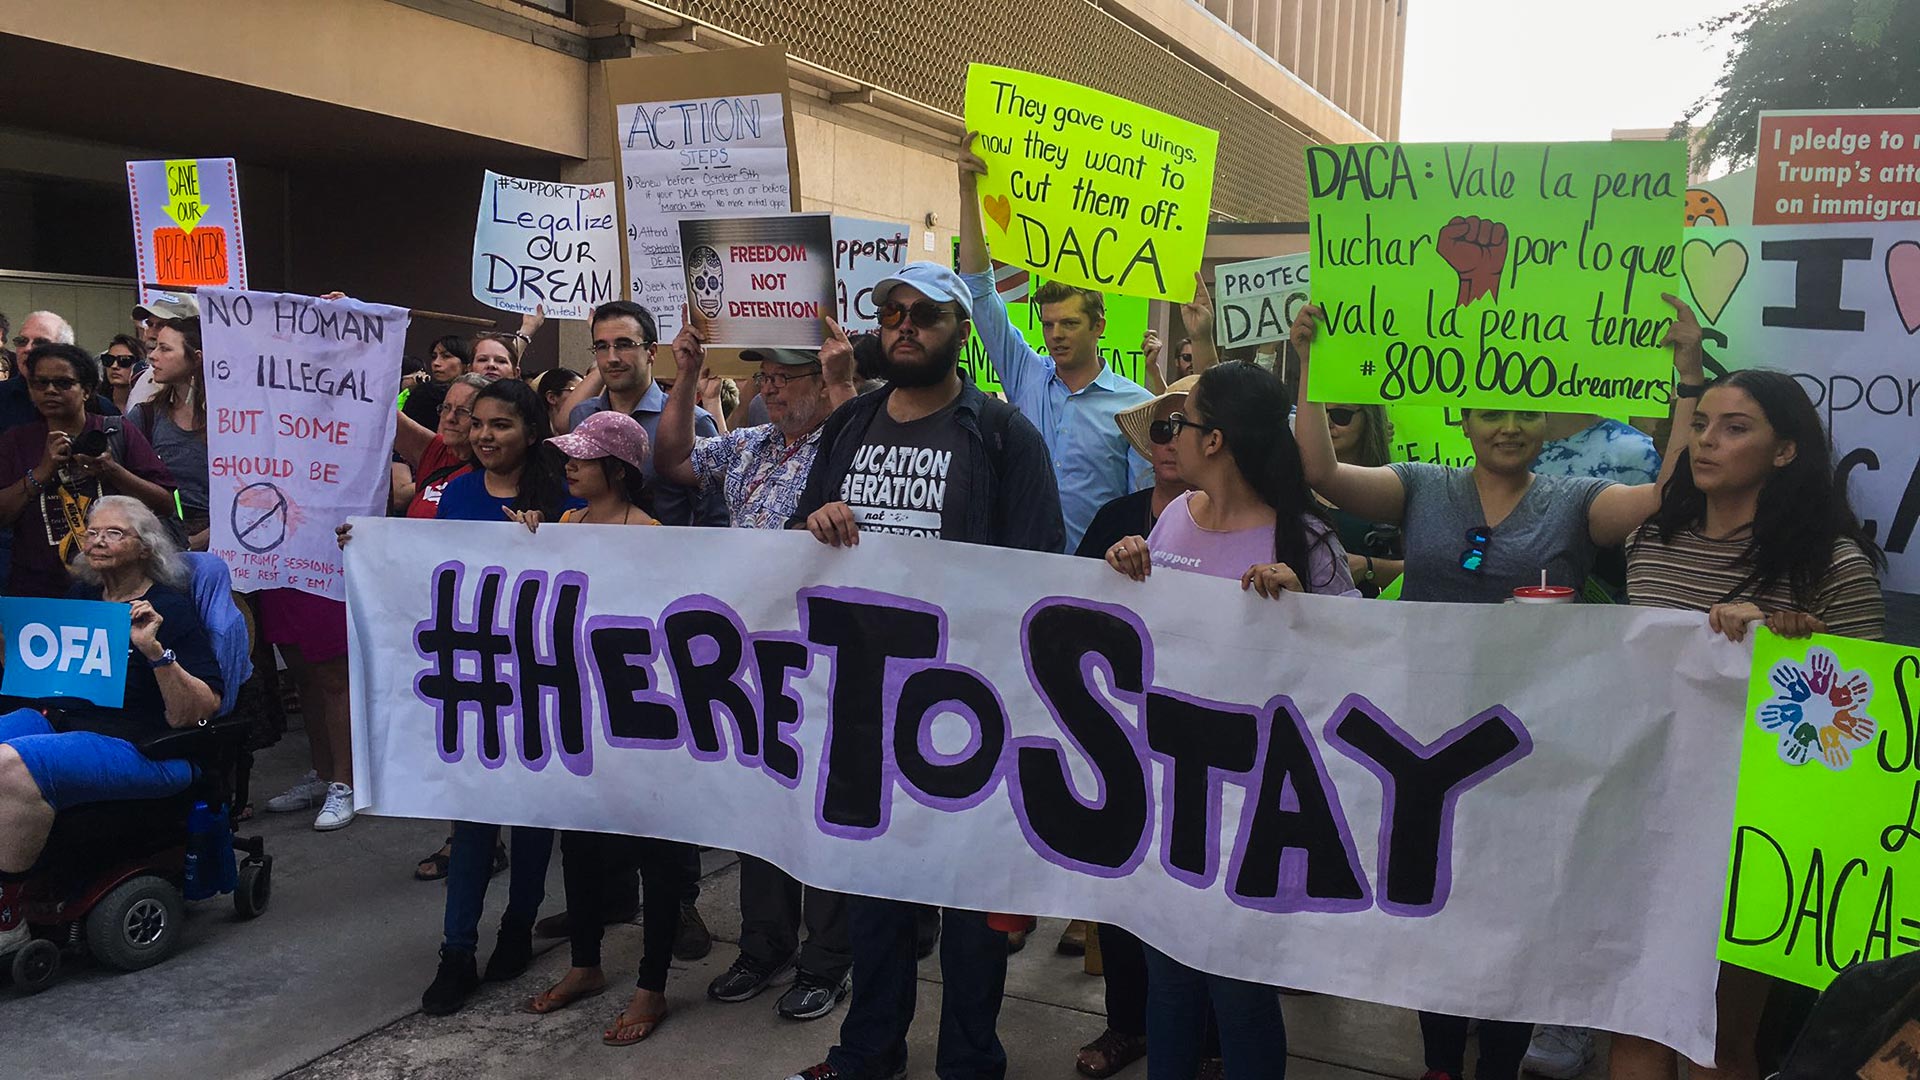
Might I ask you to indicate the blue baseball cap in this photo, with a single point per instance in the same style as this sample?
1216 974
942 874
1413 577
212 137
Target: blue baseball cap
934 281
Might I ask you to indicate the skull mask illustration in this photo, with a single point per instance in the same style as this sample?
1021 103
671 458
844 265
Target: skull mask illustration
705 280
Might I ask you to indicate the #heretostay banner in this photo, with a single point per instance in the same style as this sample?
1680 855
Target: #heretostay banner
1275 790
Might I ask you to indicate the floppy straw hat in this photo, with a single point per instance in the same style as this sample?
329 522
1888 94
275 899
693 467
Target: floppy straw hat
1134 422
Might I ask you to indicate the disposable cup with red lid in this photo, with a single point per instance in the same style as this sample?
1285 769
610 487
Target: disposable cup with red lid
1543 593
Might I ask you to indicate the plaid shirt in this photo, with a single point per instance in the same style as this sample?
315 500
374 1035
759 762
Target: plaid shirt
762 476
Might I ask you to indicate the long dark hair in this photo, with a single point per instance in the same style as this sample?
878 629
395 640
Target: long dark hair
169 396
629 481
543 484
1249 405
1803 508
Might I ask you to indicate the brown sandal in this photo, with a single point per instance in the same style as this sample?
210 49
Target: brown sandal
551 1000
625 1032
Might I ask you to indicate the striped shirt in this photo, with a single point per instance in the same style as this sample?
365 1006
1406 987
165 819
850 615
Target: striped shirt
1693 573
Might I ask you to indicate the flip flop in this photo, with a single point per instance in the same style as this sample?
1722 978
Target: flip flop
438 860
551 1000
625 1032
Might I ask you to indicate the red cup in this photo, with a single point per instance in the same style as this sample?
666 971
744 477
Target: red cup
1543 594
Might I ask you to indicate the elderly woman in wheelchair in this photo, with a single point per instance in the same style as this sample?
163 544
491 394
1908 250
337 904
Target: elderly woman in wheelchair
82 753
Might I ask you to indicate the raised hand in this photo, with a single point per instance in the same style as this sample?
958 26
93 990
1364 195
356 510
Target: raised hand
836 353
1820 672
1684 337
145 630
1477 250
972 165
1306 324
1780 714
1853 726
1786 676
689 349
1197 314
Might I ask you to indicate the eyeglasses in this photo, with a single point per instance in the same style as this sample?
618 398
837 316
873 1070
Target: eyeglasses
110 535
1341 417
55 382
24 341
781 379
625 345
1474 559
460 413
925 314
1163 431
111 360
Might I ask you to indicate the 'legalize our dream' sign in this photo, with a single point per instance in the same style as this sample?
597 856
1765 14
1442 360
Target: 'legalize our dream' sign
1480 274
538 243
299 415
1089 188
1829 799
1269 790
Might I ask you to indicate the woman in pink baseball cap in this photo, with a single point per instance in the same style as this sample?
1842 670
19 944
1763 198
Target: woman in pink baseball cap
606 467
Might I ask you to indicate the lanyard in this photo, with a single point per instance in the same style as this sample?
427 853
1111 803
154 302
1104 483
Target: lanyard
747 496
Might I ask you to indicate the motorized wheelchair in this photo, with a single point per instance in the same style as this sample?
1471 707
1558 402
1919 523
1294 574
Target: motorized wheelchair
114 877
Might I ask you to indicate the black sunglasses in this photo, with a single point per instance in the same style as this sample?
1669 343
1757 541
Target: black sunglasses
111 360
925 314
1343 417
1163 431
1474 558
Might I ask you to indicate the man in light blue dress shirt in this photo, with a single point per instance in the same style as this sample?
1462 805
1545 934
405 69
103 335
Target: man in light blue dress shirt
1068 392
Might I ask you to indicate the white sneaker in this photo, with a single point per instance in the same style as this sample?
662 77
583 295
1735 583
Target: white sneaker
1559 1053
337 813
15 937
301 796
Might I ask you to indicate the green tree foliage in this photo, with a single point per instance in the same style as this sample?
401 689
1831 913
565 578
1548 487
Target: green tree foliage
1808 54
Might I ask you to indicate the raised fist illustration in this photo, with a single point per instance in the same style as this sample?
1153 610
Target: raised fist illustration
1477 250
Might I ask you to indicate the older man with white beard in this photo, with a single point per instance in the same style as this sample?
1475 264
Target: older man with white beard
762 470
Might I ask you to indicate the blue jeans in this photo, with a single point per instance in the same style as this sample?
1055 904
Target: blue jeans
472 865
1253 1036
973 970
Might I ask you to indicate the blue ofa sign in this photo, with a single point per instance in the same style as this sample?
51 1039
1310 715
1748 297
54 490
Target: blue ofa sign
66 648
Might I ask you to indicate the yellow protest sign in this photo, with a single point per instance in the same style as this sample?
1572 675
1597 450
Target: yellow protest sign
1819 878
183 193
1088 188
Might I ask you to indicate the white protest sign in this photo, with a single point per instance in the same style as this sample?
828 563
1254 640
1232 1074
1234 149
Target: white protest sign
1838 306
692 158
538 243
864 253
300 417
186 224
1289 791
760 281
1255 300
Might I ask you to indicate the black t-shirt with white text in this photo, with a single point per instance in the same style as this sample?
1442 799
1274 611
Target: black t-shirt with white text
911 479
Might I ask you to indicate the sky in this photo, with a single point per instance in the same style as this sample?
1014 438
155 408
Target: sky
1553 69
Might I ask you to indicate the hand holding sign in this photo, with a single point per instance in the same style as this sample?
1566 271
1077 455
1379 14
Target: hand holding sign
145 629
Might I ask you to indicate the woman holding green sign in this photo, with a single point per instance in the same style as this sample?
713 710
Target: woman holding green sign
1753 528
1482 534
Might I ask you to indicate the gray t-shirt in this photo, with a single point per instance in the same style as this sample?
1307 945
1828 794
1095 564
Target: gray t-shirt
910 479
1547 530
185 455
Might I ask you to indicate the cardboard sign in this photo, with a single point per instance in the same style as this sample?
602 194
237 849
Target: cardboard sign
864 253
1838 306
1819 877
186 224
1255 301
66 648
537 243
719 146
1497 274
1856 165
1089 188
300 417
760 281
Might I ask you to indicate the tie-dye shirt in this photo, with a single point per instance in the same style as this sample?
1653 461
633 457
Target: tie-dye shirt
1609 450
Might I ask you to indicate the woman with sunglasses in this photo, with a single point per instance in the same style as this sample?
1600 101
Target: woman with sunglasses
1754 527
174 420
55 466
1473 535
1361 436
124 360
1250 517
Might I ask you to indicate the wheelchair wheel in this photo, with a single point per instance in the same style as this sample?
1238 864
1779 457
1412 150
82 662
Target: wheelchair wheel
138 924
253 889
34 966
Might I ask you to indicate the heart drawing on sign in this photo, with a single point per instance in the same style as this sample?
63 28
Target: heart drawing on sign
1713 273
1000 209
1903 277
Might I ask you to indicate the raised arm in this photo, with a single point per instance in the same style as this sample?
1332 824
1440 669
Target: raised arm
1197 315
1620 509
1372 492
410 439
973 242
1021 369
673 444
586 389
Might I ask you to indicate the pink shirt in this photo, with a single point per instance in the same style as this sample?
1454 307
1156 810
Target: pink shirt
1179 543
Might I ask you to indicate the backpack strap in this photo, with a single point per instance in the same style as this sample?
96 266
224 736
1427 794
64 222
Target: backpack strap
995 417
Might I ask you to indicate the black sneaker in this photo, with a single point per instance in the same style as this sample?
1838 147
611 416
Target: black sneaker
694 941
512 952
453 984
746 978
812 997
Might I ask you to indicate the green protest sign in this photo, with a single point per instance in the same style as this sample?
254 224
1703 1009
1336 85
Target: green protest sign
1488 274
1119 346
1091 189
1829 790
1428 433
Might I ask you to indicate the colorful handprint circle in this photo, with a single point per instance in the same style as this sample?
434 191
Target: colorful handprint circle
1818 710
